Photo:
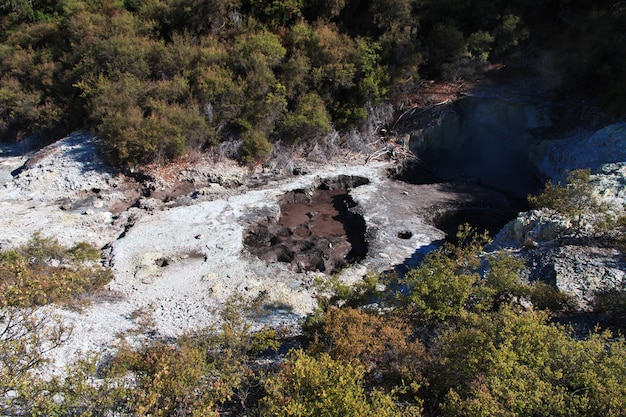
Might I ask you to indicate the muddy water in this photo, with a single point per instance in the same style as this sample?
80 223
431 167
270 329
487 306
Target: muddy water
317 231
319 216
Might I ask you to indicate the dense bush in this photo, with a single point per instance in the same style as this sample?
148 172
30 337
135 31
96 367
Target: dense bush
323 387
155 79
479 341
514 363
383 344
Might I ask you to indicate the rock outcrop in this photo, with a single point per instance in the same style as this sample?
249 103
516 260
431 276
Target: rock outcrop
581 150
579 267
484 139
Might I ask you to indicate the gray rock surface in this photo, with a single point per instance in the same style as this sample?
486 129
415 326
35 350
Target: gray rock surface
582 271
177 254
585 149
175 239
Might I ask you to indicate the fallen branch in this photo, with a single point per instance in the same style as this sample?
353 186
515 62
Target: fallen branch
394 151
425 109
376 154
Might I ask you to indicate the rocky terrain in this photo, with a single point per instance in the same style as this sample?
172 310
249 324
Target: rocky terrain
186 239
176 239
508 139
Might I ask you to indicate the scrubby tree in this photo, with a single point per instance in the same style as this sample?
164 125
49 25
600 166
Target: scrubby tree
437 291
577 201
32 276
255 147
277 13
442 287
612 303
308 120
27 336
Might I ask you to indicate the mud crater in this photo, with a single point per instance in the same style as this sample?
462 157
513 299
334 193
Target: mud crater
317 229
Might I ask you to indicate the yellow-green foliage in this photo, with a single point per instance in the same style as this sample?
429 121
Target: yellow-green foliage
38 273
501 283
43 272
441 287
197 373
208 71
514 363
324 387
548 297
172 380
456 280
255 147
437 291
309 120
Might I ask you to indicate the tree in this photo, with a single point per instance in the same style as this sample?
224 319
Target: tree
308 120
446 46
277 13
197 374
576 201
255 147
171 380
501 283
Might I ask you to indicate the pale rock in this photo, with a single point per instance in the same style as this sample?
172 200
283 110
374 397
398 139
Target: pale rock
146 267
528 227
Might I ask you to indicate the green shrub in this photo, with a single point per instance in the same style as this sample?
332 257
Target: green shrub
277 12
612 303
547 297
437 291
255 147
443 287
515 363
308 120
144 122
323 387
43 272
446 45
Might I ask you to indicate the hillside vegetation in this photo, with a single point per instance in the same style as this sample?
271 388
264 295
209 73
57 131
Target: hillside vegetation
158 78
460 337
